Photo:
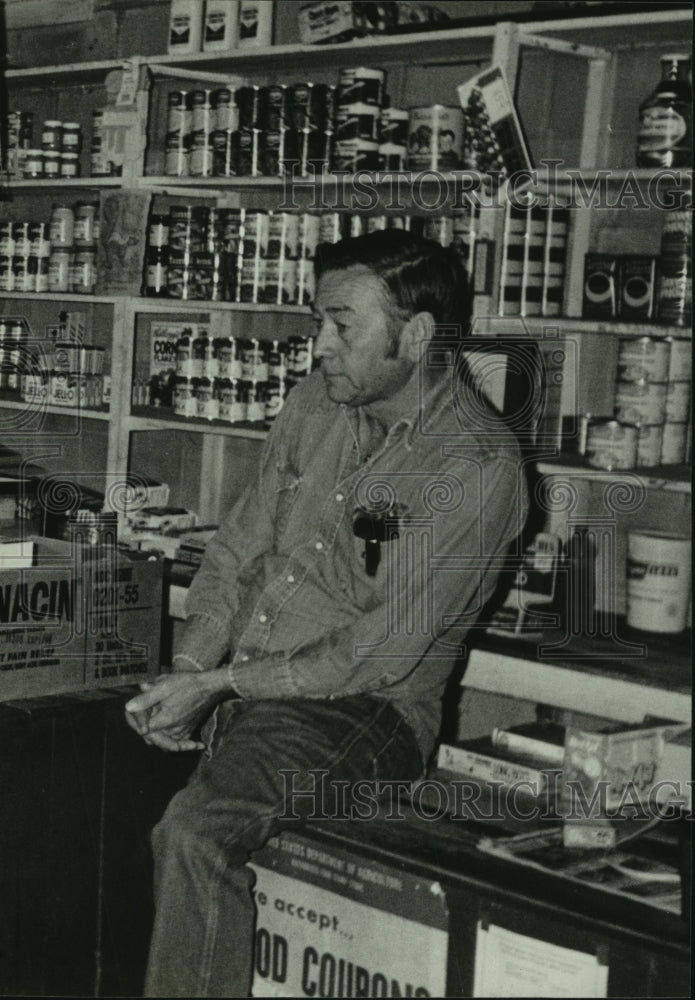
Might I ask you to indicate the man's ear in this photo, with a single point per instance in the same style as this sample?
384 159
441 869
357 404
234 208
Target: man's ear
418 329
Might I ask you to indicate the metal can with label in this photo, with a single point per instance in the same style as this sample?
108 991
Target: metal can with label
33 164
394 124
674 444
226 111
20 237
678 398
277 110
39 241
59 269
311 106
62 227
225 152
178 277
251 102
176 157
252 279
255 401
283 235
306 282
392 156
207 406
611 445
640 402
642 358
83 271
38 274
85 218
649 444
308 235
21 279
435 138
360 84
254 361
69 165
330 227
255 234
6 274
6 239
178 114
281 281
202 117
356 154
357 121
227 357
184 402
680 365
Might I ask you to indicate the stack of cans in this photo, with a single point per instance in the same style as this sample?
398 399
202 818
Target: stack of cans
199 127
236 380
58 155
14 337
359 101
20 127
653 399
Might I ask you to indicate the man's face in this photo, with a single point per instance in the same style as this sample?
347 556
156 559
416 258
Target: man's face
362 360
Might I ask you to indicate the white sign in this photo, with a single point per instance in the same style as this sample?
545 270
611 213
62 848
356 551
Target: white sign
508 964
341 926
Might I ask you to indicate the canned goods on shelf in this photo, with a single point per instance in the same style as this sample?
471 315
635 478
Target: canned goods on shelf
254 361
435 138
357 121
226 112
640 402
360 84
83 271
38 271
61 227
156 271
51 135
306 282
649 445
283 235
392 156
33 164
71 137
69 165
84 227
611 445
255 401
393 126
281 281
680 365
51 164
207 405
678 400
20 238
184 400
643 358
59 269
674 444
356 154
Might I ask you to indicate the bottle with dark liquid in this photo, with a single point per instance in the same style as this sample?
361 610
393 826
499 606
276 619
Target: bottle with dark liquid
665 131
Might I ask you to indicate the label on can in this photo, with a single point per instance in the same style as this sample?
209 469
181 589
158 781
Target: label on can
642 358
306 282
281 281
360 85
283 235
640 402
59 270
649 444
356 154
394 124
435 138
611 445
674 444
357 121
678 398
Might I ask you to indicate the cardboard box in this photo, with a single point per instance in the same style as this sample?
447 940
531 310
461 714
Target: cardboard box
78 620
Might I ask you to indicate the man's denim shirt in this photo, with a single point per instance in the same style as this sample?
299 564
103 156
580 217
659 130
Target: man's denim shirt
283 594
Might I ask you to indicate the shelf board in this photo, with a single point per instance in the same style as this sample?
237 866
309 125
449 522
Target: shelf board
61 183
61 297
145 305
85 72
462 43
493 325
138 422
419 47
60 411
670 478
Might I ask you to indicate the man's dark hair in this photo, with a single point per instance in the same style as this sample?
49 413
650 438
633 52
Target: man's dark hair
421 275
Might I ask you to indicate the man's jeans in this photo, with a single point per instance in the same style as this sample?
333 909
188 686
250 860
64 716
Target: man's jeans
202 943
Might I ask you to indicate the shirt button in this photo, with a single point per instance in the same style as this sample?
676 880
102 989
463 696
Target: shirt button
319 545
263 618
290 579
339 497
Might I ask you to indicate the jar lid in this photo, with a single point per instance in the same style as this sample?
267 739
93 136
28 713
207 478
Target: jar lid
51 155
52 123
71 125
69 156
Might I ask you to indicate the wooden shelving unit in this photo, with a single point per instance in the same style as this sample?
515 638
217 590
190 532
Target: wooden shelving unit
595 43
